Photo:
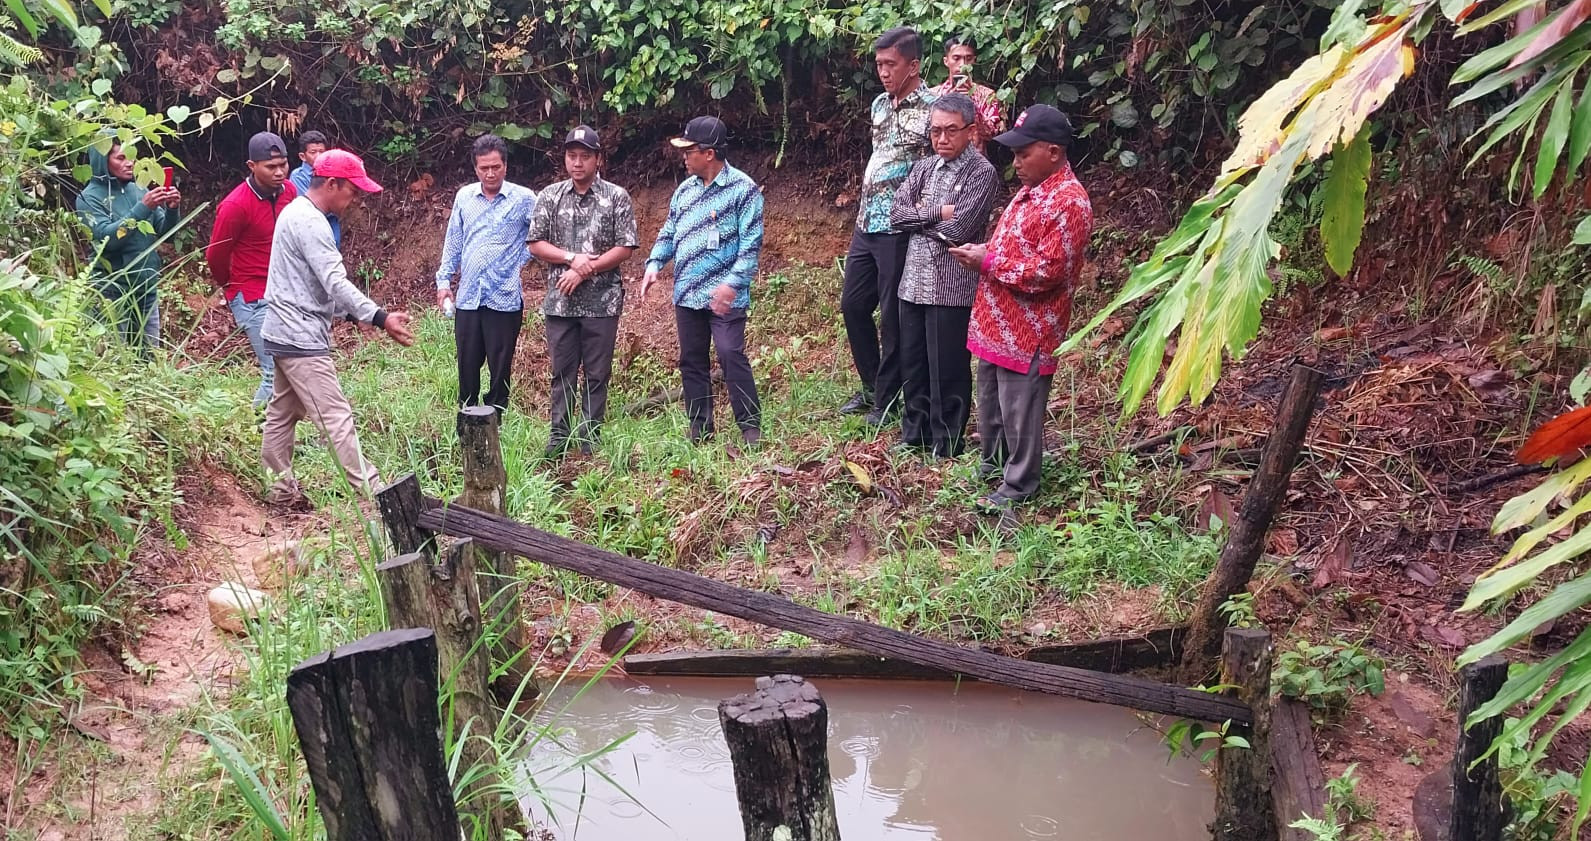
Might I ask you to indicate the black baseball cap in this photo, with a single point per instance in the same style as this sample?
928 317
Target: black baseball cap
584 136
1038 124
706 132
265 146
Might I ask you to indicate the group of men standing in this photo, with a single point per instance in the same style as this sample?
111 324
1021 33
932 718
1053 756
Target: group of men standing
943 290
920 258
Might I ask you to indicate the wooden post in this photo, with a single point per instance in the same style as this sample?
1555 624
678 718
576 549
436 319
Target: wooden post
778 743
1479 810
1298 783
366 719
1243 805
401 502
486 489
1246 537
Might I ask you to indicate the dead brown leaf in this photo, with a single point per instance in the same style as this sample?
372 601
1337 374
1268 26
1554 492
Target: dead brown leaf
1421 573
856 551
1333 563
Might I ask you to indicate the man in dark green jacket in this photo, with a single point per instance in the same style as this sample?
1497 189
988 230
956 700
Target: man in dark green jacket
126 268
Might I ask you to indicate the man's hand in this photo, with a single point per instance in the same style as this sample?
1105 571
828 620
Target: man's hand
970 255
965 86
154 198
173 197
946 212
443 295
397 326
647 280
581 265
571 280
723 299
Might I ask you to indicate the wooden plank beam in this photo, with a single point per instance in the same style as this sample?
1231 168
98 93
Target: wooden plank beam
1298 784
694 590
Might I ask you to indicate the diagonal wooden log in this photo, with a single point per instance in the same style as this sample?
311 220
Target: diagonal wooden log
683 587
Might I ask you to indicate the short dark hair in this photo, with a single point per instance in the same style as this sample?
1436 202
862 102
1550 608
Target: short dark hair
959 104
487 144
310 138
318 181
962 40
903 39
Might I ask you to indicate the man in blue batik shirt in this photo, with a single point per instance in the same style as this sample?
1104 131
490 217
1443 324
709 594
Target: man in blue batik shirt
714 236
486 246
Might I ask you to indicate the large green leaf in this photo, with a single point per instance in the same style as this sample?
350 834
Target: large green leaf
1553 138
1343 213
62 11
24 17
1567 597
1526 507
249 786
1501 582
1490 59
1582 232
1579 133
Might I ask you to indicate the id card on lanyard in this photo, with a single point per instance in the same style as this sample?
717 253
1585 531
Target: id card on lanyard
712 233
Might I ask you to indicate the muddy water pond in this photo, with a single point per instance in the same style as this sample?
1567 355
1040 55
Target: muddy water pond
910 760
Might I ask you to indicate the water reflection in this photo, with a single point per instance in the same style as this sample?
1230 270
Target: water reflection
910 761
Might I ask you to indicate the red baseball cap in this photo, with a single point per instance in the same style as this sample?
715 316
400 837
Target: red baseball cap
341 163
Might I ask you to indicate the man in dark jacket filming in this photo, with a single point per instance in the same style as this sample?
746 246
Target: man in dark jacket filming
125 220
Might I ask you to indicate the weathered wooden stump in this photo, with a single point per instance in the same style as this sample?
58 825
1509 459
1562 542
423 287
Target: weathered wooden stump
778 744
486 489
1244 809
1246 537
366 717
1479 810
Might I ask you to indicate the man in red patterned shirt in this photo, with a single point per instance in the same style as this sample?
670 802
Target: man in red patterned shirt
1024 298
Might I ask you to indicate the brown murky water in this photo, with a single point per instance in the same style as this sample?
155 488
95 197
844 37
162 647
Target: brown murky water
919 761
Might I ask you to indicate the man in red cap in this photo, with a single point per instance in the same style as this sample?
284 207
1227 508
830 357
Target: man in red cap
240 245
307 287
1023 301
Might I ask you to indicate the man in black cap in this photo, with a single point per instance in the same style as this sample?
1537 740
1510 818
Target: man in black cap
1024 300
240 245
582 231
713 235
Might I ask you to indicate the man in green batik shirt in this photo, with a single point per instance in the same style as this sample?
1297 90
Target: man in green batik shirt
583 229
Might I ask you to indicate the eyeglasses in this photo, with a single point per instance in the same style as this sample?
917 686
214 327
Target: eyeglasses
946 131
691 150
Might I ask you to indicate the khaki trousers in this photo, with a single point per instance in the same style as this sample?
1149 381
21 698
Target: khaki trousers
307 387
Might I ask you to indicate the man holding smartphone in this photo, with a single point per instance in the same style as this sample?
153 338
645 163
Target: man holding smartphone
944 202
239 253
960 56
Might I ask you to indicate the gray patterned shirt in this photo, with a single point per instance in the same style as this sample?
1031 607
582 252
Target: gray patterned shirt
589 223
969 182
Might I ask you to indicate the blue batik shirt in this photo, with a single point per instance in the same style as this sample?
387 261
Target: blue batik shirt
714 236
300 178
900 139
486 247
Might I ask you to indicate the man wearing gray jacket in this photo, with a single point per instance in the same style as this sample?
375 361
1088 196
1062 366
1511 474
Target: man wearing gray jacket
306 287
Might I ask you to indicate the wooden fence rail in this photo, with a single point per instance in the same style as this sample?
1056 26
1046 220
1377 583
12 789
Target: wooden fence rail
500 533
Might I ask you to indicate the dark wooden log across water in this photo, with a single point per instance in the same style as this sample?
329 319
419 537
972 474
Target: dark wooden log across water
366 717
1479 811
1298 783
1158 648
1246 537
1244 809
685 588
778 745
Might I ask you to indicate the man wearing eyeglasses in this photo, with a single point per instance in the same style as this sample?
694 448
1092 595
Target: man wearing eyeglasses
944 202
873 264
713 235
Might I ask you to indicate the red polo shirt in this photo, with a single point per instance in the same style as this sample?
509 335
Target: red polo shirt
240 244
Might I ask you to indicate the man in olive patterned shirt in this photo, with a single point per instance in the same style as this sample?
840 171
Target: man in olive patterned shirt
582 231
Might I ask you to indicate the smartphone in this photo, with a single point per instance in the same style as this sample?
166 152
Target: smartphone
170 175
958 79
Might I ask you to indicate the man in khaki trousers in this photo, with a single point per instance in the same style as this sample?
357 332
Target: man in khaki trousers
306 286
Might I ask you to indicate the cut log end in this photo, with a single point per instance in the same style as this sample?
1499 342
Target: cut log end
787 697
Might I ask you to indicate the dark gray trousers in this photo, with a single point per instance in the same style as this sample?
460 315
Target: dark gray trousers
727 333
577 345
936 377
1011 423
872 282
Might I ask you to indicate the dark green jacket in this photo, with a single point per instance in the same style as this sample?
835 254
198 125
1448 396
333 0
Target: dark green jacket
112 209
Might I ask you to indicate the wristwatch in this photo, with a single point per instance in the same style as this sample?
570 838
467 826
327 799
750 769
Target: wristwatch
569 258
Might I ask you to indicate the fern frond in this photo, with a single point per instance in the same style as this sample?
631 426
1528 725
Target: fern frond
16 53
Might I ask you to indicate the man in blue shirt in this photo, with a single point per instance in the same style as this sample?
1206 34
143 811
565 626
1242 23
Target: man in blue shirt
486 246
310 146
714 236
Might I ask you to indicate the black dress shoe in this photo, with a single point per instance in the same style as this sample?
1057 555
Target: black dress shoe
860 402
878 417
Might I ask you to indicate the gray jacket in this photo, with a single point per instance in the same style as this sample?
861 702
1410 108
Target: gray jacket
306 285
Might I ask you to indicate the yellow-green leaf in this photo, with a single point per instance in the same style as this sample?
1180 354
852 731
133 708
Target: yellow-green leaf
864 480
1579 134
1508 580
1343 214
1553 138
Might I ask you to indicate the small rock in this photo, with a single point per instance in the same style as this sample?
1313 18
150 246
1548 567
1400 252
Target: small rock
1418 722
1433 805
231 604
276 565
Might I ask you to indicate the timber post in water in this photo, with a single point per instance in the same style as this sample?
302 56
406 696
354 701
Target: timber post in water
1246 537
444 598
366 718
486 489
1479 811
778 743
1244 810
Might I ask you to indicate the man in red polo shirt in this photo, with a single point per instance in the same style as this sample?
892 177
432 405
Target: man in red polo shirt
1023 301
240 245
